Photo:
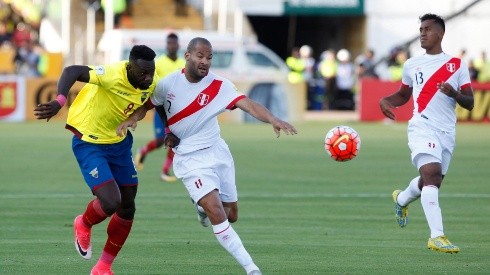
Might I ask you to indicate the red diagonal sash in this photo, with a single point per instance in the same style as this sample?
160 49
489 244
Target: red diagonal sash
430 87
202 99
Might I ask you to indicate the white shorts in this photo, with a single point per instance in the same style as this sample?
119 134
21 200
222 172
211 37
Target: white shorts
430 145
208 169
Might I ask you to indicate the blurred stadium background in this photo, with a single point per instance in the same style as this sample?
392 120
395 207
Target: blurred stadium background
67 32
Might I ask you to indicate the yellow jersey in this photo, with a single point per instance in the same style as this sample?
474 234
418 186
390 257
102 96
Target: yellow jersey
104 102
297 68
164 65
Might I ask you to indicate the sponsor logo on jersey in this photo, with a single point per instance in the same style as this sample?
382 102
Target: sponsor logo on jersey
170 95
123 93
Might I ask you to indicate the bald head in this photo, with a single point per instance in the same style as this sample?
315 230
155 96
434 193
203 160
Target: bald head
198 41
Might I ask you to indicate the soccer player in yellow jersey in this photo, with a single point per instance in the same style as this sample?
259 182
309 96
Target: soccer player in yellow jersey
165 64
111 94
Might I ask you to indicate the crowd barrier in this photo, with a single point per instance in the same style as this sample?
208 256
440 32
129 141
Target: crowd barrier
372 90
20 95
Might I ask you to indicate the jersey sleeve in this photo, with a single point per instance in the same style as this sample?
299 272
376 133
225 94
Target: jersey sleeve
106 75
96 74
406 76
232 93
159 94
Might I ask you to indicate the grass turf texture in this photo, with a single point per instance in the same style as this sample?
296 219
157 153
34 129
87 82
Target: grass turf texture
300 211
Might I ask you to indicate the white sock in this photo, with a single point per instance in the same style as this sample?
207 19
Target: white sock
430 202
411 193
230 240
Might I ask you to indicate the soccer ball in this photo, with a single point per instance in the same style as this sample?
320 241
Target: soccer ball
342 143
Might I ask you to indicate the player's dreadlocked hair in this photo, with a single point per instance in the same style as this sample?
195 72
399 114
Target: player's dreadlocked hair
438 19
192 45
142 52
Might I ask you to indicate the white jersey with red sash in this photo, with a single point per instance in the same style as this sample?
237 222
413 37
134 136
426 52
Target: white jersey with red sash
431 105
192 108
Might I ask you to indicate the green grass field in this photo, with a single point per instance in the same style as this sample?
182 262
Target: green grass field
300 212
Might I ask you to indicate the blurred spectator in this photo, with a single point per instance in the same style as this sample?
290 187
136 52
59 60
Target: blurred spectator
345 80
21 35
43 64
306 54
396 68
478 62
365 65
473 70
328 69
483 68
296 66
26 60
4 35
8 19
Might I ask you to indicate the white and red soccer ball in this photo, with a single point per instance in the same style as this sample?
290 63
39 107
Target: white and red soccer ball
342 143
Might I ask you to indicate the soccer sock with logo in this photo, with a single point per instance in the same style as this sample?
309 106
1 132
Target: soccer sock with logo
411 193
168 161
230 240
430 202
93 214
117 233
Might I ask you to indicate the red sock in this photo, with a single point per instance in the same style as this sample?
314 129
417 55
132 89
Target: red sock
150 146
168 161
102 262
105 260
117 233
93 214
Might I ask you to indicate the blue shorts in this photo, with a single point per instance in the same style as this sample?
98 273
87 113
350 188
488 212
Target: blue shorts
102 163
158 126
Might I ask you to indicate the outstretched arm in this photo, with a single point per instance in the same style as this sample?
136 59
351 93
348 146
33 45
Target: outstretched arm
70 75
394 100
261 113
